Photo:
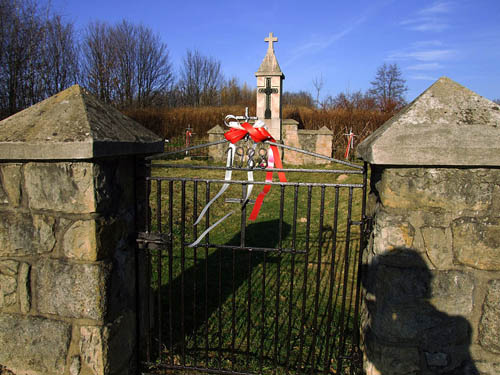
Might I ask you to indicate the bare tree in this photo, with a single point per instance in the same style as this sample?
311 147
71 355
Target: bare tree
125 64
389 87
99 61
153 67
318 84
60 56
201 79
38 54
301 98
21 38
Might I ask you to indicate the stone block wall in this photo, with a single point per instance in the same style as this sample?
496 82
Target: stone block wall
432 272
318 141
67 290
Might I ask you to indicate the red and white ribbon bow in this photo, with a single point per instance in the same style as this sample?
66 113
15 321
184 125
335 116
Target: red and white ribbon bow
257 133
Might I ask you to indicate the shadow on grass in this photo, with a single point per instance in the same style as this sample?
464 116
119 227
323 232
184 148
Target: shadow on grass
189 300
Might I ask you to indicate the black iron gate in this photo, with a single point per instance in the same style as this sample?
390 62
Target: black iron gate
279 294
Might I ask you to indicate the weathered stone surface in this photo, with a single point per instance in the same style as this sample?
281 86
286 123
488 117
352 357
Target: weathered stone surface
93 351
430 130
14 286
436 359
24 289
93 240
11 180
72 290
452 292
67 187
8 289
391 360
489 327
33 345
109 348
76 365
392 232
9 267
22 234
448 189
488 368
3 195
437 242
80 242
73 125
476 242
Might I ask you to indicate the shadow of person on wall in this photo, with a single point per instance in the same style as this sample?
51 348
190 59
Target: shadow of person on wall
404 333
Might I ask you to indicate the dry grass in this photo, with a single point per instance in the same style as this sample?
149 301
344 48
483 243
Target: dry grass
172 122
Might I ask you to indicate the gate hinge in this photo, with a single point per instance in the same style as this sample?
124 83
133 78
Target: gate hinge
152 241
367 225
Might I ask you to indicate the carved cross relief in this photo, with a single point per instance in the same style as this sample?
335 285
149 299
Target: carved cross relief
268 91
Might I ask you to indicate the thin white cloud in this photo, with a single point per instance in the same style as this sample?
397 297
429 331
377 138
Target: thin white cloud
431 25
437 8
427 44
430 55
425 66
423 77
430 19
320 44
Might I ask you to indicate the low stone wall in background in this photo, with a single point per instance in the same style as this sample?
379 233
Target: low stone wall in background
318 141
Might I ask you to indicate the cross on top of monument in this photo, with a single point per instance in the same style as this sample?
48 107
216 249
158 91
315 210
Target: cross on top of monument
271 39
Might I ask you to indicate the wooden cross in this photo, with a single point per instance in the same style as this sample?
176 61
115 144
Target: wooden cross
271 39
268 91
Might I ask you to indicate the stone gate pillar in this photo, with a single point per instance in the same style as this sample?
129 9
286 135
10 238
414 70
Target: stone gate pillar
431 272
67 237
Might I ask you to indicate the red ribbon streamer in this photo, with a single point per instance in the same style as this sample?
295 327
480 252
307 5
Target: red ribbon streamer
258 135
346 154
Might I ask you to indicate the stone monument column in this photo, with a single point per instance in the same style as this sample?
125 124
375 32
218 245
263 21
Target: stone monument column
269 90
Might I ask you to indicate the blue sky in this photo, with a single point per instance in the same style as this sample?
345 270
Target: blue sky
342 41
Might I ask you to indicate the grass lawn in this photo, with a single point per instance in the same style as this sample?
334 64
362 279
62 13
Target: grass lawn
236 302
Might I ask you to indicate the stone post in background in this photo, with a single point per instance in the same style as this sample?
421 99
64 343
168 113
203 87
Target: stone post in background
217 153
432 269
67 237
318 141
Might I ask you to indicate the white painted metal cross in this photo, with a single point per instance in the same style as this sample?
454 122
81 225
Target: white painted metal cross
271 39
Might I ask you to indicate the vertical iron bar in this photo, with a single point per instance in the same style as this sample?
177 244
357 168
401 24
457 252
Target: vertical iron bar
195 261
170 265
183 264
159 265
346 275
278 277
304 286
292 275
318 278
207 225
332 282
242 244
148 268
219 310
362 245
263 312
249 306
